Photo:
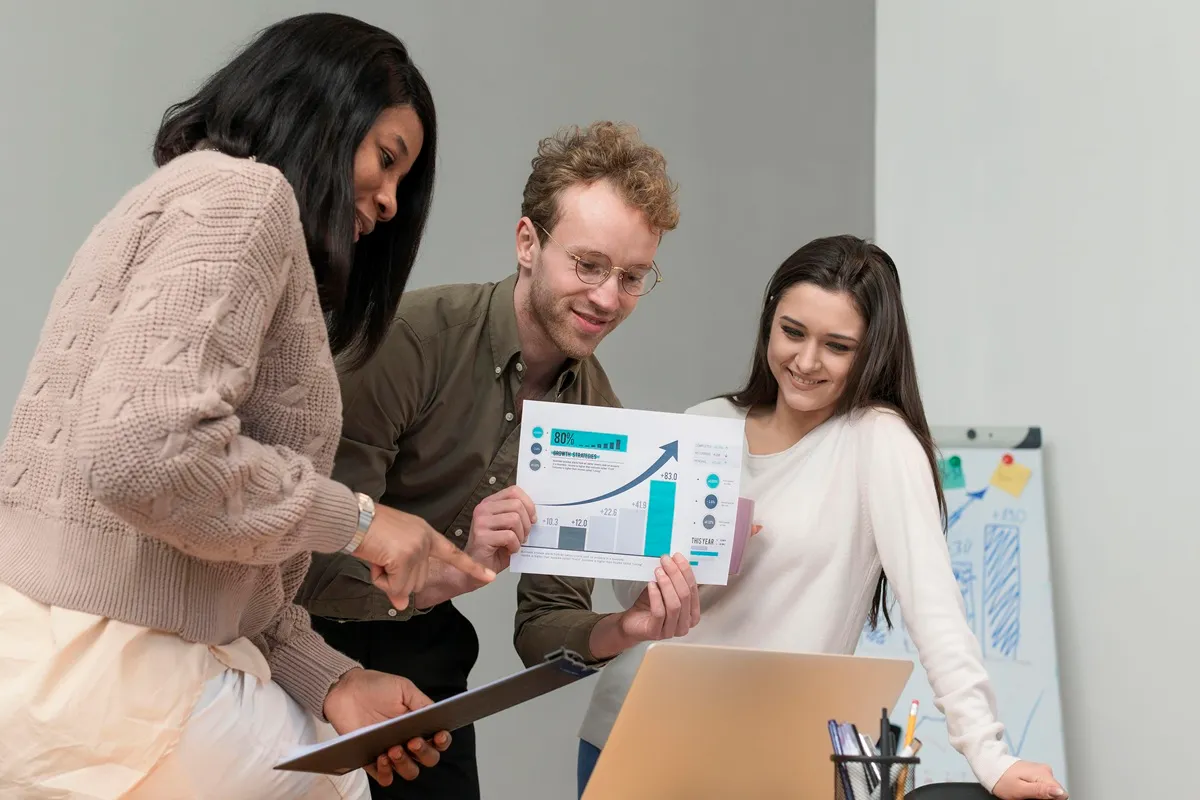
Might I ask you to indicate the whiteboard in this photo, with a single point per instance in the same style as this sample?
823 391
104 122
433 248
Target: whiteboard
995 501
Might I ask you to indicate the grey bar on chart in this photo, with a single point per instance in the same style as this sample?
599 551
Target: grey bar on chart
602 534
571 538
543 536
631 531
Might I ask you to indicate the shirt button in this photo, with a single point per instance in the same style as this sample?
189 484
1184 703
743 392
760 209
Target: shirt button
520 366
492 479
508 416
498 370
391 612
458 532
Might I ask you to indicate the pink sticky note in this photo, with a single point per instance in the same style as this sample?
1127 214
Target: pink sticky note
741 533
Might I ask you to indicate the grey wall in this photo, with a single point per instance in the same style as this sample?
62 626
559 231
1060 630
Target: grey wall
766 119
1037 173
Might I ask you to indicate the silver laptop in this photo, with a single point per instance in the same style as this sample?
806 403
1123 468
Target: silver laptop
703 721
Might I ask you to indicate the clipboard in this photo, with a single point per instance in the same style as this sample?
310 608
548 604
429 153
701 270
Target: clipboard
360 748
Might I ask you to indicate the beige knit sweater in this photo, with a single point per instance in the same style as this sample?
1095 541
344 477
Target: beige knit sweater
168 459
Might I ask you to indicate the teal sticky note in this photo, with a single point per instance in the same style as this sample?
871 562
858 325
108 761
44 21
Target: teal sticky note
952 473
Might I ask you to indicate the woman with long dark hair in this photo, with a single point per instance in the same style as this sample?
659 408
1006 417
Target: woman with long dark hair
166 474
840 463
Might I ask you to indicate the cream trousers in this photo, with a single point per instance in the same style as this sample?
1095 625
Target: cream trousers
96 709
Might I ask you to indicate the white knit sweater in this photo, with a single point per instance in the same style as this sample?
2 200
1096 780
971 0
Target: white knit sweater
854 494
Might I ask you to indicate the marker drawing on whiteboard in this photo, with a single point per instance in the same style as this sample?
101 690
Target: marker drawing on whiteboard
960 548
1014 747
964 573
958 512
1016 516
878 636
1020 743
1001 590
928 718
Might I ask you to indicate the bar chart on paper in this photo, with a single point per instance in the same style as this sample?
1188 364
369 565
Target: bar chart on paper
616 489
640 528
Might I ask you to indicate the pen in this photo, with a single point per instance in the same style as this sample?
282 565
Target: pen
868 749
885 744
842 770
833 736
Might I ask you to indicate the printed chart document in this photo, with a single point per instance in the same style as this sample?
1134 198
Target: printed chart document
616 489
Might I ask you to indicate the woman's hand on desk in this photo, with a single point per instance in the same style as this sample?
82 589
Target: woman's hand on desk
668 607
1026 780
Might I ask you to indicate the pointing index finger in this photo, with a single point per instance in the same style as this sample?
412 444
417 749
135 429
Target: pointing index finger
446 552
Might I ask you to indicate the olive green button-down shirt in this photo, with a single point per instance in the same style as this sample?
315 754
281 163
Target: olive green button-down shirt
432 427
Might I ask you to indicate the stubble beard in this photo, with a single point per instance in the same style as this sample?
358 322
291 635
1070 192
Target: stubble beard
553 316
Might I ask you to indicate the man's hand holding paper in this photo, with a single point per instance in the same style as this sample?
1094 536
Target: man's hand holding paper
500 524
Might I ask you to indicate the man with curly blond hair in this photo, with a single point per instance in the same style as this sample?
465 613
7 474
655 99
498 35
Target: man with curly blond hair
432 427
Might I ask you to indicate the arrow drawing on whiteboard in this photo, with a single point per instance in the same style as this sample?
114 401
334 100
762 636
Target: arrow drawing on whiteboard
670 451
927 718
1020 743
958 512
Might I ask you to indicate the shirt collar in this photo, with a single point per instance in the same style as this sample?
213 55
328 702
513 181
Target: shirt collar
505 340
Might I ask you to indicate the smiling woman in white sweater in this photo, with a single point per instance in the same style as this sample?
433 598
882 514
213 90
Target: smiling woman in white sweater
840 463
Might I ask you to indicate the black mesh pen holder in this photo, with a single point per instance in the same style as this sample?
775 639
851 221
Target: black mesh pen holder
873 777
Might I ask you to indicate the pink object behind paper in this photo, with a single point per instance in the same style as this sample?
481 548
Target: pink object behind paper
741 533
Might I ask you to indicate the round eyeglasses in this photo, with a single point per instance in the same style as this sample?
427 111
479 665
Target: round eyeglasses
594 269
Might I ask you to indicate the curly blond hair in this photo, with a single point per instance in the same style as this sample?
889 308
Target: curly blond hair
604 150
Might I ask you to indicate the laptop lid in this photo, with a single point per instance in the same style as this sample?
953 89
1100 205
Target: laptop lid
710 721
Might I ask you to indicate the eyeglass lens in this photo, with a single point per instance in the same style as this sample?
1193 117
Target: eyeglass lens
595 268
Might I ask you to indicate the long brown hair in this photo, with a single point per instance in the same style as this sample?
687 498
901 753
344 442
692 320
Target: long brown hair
884 372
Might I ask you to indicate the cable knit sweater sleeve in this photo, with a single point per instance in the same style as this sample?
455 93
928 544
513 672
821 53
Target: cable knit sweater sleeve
159 442
908 534
300 660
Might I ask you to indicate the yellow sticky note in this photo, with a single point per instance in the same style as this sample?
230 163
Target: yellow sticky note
1011 477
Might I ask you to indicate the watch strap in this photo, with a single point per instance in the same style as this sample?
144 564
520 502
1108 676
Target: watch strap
366 514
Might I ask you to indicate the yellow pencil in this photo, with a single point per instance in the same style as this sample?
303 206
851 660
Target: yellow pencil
908 739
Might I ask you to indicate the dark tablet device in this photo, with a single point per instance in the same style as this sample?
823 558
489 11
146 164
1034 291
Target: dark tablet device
360 748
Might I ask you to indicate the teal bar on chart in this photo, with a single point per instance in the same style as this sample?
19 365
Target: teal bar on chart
660 517
589 440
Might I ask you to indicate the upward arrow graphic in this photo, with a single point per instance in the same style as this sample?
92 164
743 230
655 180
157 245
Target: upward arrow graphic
958 512
670 451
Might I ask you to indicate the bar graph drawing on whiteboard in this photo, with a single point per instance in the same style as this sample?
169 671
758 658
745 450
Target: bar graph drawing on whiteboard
998 547
616 489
